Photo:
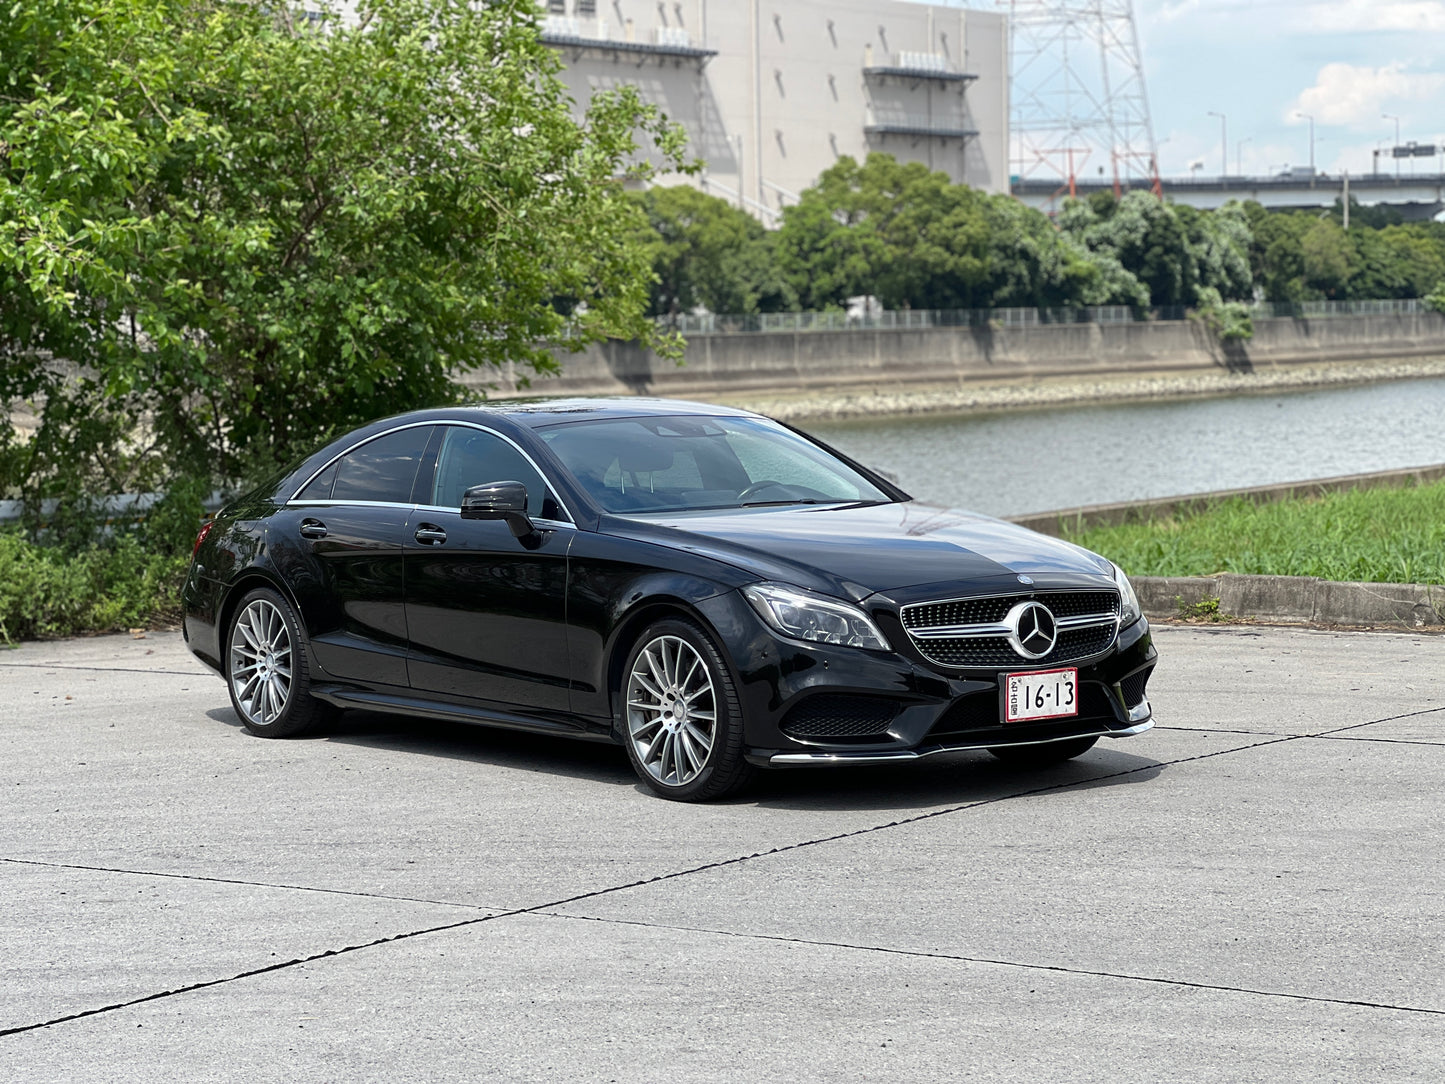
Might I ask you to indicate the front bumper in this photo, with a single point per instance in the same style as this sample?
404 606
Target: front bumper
844 756
807 703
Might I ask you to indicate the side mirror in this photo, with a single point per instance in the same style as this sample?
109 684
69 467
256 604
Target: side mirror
500 500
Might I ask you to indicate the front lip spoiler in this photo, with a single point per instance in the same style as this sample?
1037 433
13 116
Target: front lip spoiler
781 759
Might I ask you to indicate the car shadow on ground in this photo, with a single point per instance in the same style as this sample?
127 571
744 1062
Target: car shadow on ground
947 779
943 780
519 750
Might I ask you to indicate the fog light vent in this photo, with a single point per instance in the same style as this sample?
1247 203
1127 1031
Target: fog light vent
1133 687
831 715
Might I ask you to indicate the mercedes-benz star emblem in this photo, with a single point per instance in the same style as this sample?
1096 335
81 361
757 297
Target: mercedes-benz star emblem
1025 579
1034 629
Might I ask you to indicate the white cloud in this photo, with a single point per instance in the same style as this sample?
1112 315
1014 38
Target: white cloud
1344 94
1366 16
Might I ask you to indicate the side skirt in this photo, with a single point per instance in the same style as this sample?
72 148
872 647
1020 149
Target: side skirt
345 696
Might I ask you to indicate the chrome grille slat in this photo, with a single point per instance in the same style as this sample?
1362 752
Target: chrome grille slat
970 633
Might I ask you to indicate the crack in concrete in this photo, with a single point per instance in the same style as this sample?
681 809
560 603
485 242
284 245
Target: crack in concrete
993 962
551 905
102 669
244 883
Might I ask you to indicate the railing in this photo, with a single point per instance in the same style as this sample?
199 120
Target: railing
904 319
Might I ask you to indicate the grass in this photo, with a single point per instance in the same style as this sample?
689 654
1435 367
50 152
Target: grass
1366 535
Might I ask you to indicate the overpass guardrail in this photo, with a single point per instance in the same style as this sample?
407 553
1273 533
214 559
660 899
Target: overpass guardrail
895 319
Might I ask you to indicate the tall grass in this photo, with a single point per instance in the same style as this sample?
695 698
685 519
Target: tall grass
1370 535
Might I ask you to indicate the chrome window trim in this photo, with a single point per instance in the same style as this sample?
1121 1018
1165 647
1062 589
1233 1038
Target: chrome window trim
442 510
571 520
349 504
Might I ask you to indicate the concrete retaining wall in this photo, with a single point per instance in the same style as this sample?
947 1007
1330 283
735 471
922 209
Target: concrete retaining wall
1297 600
798 361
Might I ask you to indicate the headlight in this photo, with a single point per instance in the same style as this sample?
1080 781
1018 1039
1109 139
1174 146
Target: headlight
806 616
1128 601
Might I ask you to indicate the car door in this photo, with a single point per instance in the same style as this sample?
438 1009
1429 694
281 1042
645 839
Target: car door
485 611
340 544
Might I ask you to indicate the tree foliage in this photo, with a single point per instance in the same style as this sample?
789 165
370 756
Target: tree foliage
243 228
706 252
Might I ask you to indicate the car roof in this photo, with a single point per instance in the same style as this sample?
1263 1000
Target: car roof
536 413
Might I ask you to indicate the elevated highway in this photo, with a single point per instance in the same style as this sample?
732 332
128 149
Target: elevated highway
1418 197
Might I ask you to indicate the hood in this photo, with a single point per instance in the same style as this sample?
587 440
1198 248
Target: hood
858 550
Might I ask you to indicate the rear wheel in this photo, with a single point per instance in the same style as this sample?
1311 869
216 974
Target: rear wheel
681 720
267 670
1041 756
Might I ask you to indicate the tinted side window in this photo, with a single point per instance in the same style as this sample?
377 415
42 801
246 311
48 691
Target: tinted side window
319 488
382 469
470 457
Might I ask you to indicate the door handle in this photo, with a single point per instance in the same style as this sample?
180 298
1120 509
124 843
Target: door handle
429 534
313 528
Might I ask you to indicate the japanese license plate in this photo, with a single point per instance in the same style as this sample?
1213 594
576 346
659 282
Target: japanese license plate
1045 694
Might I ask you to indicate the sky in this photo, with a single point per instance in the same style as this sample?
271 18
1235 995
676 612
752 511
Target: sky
1262 63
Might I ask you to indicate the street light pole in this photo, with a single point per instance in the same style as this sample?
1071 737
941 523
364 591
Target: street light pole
1223 143
1239 155
1310 117
1396 150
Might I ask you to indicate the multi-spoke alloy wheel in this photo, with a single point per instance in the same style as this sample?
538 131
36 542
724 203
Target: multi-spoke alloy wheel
683 727
261 663
671 710
266 668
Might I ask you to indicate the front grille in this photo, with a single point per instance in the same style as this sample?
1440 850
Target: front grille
833 715
971 617
1133 687
988 611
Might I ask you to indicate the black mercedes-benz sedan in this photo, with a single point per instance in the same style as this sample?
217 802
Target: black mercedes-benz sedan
713 590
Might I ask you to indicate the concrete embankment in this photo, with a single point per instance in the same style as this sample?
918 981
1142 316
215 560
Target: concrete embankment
1108 515
868 366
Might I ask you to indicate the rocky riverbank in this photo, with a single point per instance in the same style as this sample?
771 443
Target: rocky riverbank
857 402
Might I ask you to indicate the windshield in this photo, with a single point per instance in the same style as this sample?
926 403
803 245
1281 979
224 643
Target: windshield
662 464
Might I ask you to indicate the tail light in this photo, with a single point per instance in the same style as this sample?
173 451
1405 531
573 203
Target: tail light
201 536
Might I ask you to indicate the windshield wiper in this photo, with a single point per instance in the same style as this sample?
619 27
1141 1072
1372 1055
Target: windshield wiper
791 500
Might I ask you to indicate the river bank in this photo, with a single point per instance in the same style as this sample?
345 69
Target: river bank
820 404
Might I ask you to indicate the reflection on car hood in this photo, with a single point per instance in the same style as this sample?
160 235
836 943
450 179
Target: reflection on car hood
858 550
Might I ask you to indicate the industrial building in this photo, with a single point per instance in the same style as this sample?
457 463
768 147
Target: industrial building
772 93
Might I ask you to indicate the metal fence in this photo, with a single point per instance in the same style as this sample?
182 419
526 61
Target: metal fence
894 319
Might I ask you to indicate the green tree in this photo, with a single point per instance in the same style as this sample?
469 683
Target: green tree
246 228
897 231
1328 258
704 251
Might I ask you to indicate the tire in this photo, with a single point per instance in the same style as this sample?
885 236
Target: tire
1041 756
681 720
268 672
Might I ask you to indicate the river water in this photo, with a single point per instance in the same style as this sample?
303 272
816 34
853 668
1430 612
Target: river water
1016 462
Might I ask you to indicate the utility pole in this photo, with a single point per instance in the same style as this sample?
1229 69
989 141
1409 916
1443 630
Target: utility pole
1239 155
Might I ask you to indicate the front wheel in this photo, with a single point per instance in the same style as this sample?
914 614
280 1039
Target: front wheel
267 670
681 719
1044 754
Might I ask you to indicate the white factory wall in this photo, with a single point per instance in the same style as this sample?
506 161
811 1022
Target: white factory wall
786 95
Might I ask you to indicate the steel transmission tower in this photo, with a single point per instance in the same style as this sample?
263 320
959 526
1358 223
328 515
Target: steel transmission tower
1077 84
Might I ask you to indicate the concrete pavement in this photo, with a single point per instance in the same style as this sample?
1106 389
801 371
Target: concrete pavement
1251 891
